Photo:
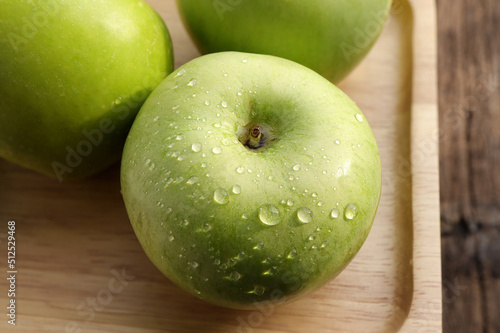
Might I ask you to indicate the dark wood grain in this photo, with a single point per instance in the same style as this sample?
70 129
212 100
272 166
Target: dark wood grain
469 104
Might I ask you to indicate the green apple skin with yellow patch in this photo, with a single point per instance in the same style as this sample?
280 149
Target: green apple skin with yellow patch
73 75
330 37
250 179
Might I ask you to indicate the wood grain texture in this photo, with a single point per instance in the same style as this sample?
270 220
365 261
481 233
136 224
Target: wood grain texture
469 103
81 267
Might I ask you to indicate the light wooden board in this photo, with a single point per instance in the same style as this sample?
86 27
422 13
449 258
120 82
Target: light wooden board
74 239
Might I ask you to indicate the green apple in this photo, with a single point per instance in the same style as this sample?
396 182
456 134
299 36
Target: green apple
250 178
73 75
330 37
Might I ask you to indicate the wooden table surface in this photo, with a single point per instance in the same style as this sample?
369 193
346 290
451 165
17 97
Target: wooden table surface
469 108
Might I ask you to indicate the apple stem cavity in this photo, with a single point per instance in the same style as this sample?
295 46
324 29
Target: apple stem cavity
255 136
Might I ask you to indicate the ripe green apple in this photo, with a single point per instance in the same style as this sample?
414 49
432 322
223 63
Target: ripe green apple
73 75
250 178
330 37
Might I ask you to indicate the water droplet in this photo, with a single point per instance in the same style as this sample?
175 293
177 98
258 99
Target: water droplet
192 180
171 238
240 170
179 137
269 215
304 215
334 213
270 271
340 171
217 262
296 167
185 223
148 161
314 195
244 61
204 165
181 157
259 246
217 124
234 276
206 227
197 292
359 117
337 142
312 237
236 189
196 147
221 196
192 83
240 93
175 107
152 166
292 254
207 102
181 72
217 150
350 211
244 216
194 264
258 290
314 246
156 118
320 203
324 244
289 202
224 104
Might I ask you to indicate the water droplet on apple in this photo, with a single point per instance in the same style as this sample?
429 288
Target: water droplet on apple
258 290
224 104
314 246
194 264
324 244
234 276
192 180
192 83
152 166
197 292
289 202
340 171
240 170
337 142
181 157
259 246
206 227
350 211
217 150
156 118
179 137
269 215
359 117
217 262
217 124
236 189
240 93
304 215
196 147
181 72
312 237
334 213
221 196
292 254
296 167
171 238
244 61
314 195
320 203
207 102
244 216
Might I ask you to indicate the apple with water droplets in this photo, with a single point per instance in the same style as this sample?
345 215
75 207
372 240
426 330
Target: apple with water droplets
73 75
331 37
250 178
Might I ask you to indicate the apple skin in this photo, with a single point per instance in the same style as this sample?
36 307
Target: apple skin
73 75
330 37
199 200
